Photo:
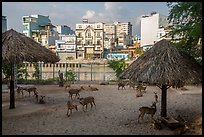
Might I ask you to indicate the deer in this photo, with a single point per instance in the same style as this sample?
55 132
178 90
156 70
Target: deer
31 89
141 88
93 88
28 89
75 91
41 101
70 106
121 84
156 97
20 90
147 110
87 100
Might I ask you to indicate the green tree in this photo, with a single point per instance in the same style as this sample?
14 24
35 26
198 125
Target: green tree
70 75
21 71
187 25
118 66
36 74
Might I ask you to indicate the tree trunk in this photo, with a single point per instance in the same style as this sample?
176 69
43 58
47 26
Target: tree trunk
163 101
12 96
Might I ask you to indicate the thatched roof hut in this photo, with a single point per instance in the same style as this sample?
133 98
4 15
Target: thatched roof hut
164 65
17 47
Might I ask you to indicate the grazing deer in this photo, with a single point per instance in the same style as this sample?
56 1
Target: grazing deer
93 88
156 97
87 100
141 88
41 101
20 90
75 91
121 84
147 110
70 106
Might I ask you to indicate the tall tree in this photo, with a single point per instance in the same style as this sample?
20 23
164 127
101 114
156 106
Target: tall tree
187 25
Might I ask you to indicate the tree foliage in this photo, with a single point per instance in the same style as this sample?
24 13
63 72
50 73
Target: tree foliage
21 71
70 75
36 74
186 18
118 66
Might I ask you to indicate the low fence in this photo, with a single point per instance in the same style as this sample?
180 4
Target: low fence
83 72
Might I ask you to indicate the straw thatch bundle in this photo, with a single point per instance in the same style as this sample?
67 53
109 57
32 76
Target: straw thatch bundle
164 64
17 48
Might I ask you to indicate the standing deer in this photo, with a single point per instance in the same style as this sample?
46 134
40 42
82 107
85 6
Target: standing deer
147 110
75 91
121 84
141 88
70 106
85 101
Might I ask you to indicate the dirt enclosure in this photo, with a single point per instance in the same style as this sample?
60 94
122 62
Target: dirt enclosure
116 111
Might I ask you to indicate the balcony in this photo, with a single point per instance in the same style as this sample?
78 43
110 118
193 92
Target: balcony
89 37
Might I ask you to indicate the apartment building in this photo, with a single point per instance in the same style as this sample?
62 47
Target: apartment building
66 47
40 28
153 28
117 34
90 40
123 33
4 24
109 36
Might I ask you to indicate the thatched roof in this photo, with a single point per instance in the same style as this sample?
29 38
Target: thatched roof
164 64
17 48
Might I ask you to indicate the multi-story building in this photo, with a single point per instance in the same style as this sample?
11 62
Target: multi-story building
123 28
124 33
90 39
118 34
4 24
153 28
109 36
39 28
66 47
64 29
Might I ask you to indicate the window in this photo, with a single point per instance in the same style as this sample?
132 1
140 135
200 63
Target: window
80 26
98 34
98 42
98 26
79 35
25 27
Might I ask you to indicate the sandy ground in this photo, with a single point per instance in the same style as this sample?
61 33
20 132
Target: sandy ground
116 111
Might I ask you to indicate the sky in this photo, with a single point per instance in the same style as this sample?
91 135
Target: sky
71 13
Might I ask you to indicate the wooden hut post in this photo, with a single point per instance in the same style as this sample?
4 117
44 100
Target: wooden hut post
164 101
12 96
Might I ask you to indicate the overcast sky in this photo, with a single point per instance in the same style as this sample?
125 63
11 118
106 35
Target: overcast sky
70 13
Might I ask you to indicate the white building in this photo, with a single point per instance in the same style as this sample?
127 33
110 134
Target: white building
152 28
117 34
66 47
4 24
110 35
90 39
